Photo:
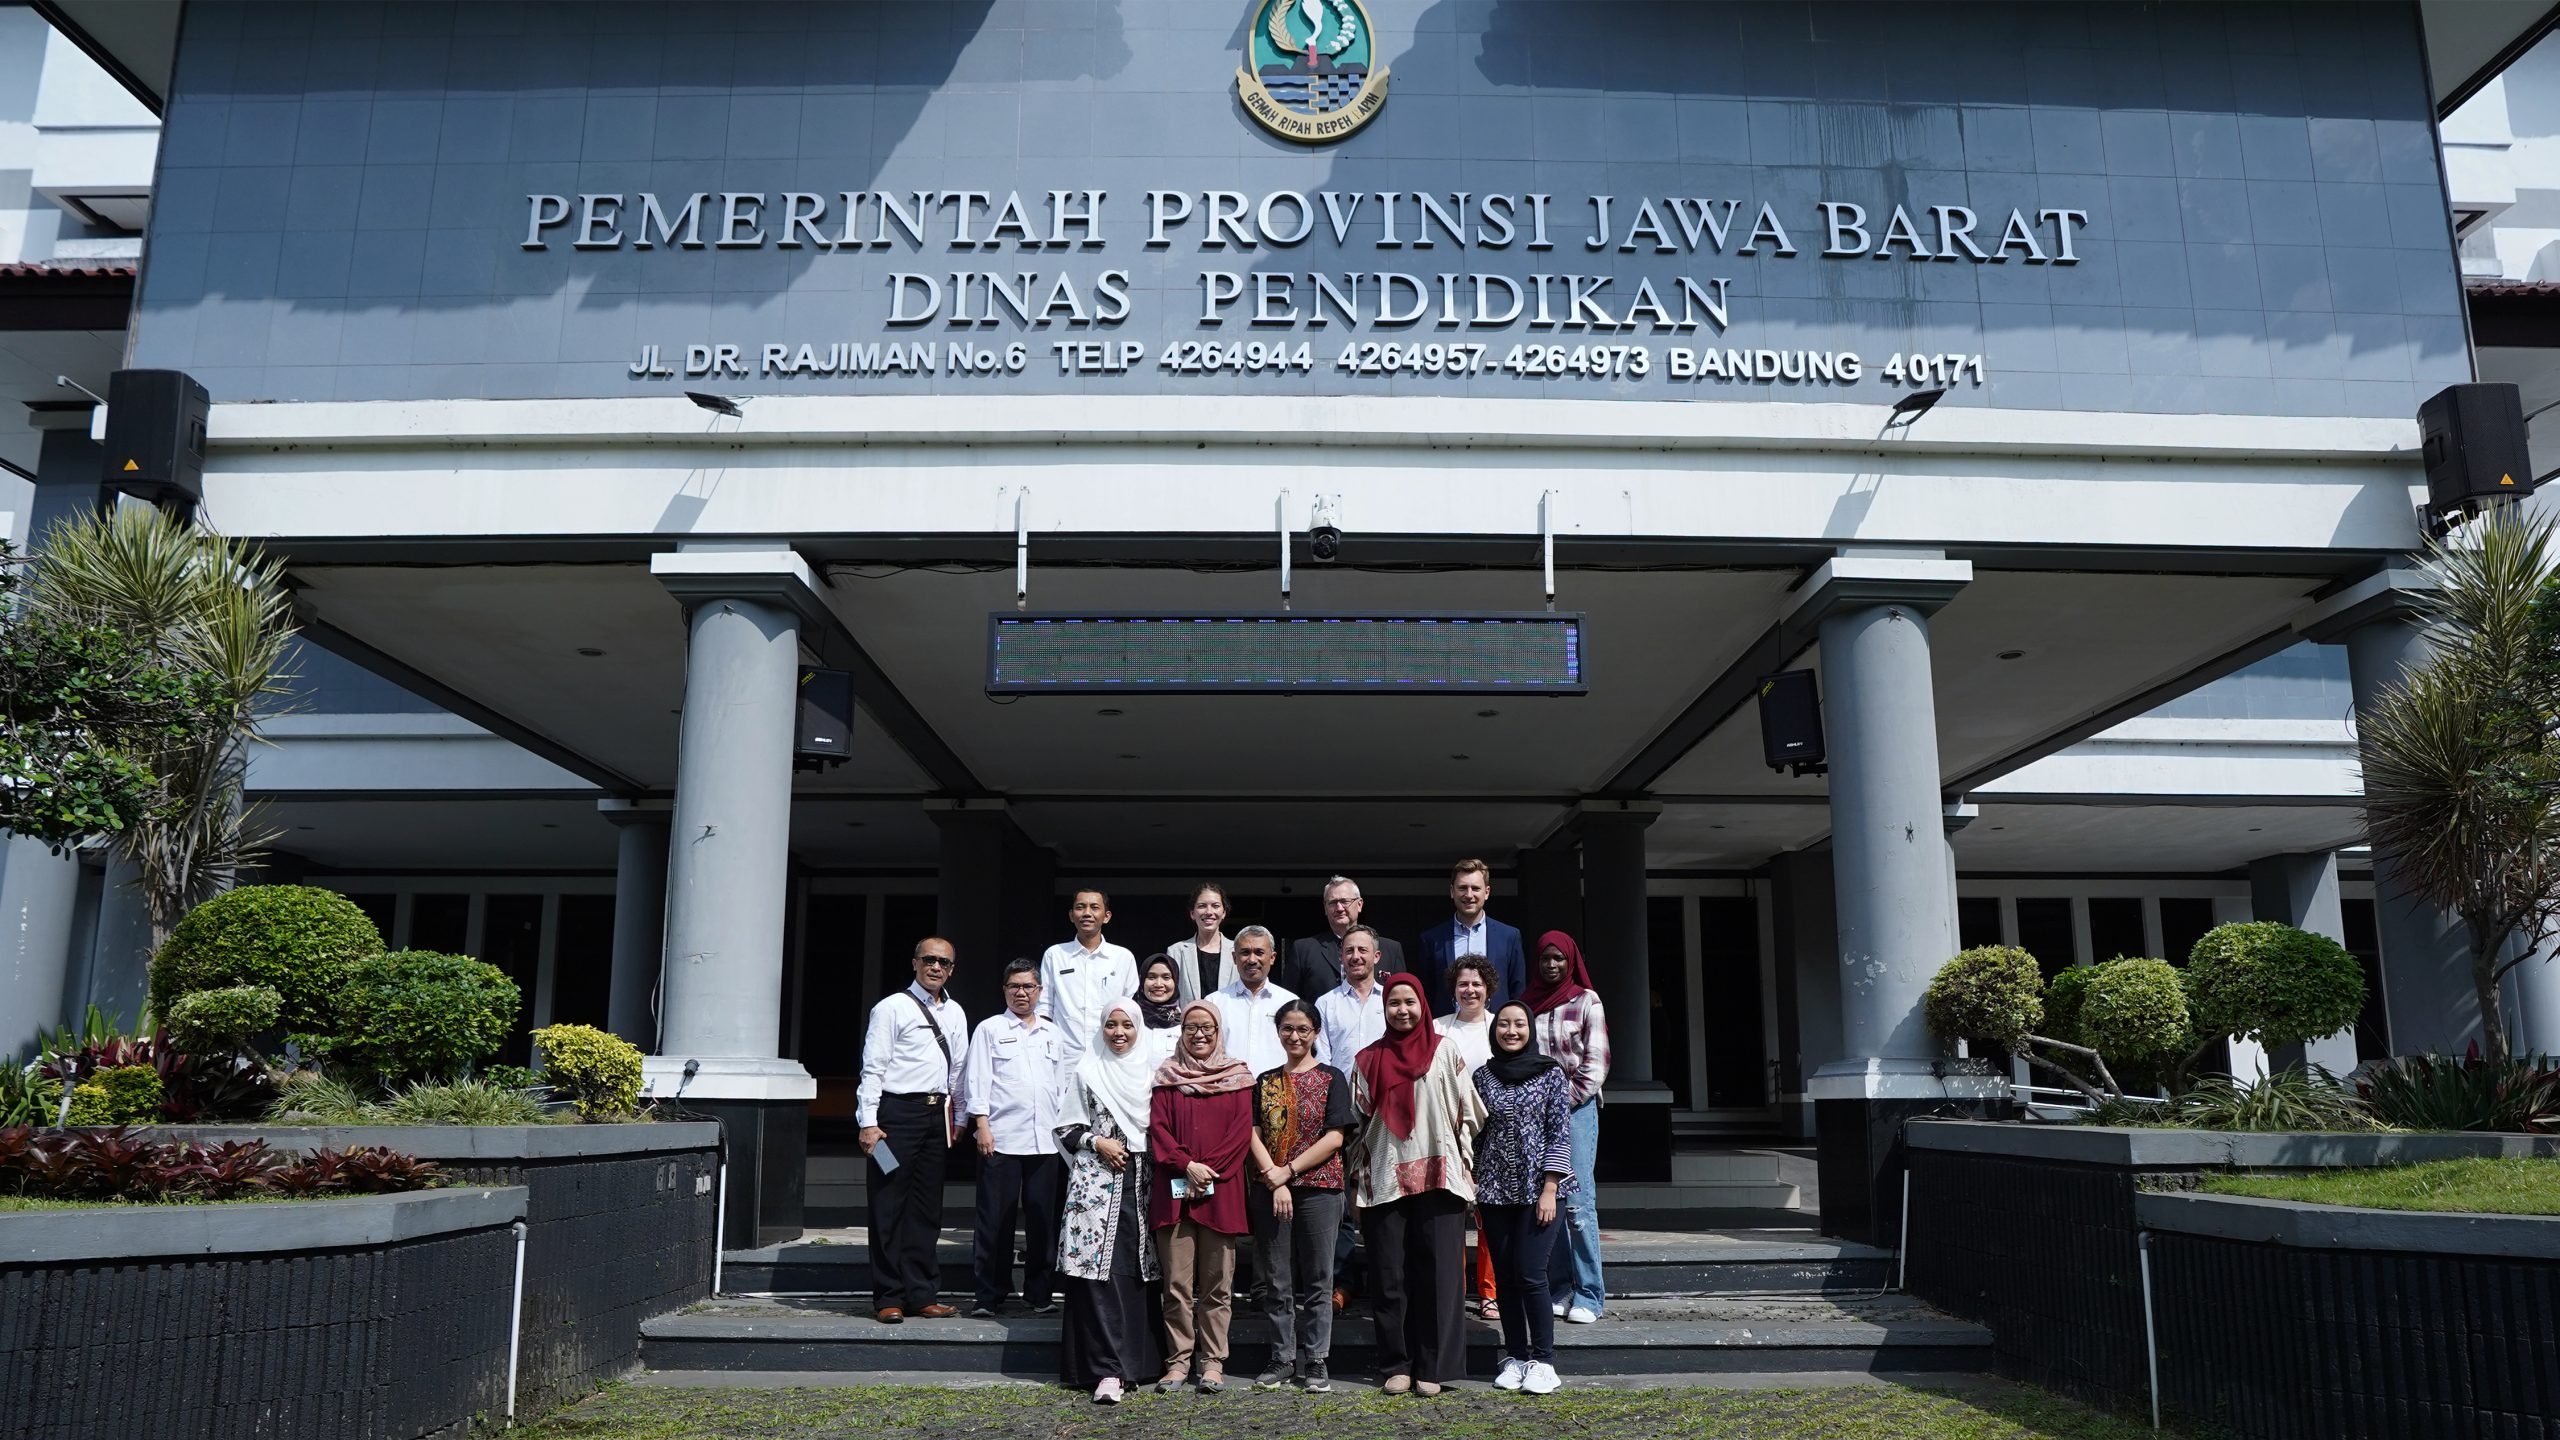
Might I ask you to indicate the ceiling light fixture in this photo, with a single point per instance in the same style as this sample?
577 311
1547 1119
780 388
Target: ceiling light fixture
2013 655
591 652
1108 711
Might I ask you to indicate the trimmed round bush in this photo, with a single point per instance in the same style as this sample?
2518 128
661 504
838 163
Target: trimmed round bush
297 940
1991 992
418 1014
211 1021
600 1068
2134 1012
2063 995
117 1095
2271 983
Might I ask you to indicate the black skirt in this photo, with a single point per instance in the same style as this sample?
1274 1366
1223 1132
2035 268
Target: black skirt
1112 1325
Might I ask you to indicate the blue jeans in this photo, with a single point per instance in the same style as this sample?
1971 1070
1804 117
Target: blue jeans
1574 1274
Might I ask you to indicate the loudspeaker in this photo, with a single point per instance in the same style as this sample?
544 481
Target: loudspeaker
155 434
823 733
2474 444
1791 722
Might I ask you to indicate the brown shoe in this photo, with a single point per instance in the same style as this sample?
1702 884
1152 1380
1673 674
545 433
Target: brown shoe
891 1315
1398 1385
936 1312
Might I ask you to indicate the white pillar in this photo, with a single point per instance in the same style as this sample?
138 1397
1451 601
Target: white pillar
639 916
39 892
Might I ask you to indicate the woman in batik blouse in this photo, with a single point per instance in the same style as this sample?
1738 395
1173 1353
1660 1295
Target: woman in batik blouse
1302 1115
1524 1165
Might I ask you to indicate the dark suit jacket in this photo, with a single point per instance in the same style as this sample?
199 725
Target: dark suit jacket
1501 946
1315 963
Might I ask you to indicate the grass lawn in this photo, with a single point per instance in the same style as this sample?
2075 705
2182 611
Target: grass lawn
1989 1410
9 1203
2493 1187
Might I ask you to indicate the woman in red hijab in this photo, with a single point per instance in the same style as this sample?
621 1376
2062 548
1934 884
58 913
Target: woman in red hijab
1574 1032
1412 1177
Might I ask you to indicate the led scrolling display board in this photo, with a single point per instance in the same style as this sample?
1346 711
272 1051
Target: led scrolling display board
1420 653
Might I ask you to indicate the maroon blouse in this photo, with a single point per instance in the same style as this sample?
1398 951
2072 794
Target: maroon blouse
1217 1131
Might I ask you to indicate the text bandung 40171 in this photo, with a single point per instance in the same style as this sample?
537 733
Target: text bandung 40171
1366 358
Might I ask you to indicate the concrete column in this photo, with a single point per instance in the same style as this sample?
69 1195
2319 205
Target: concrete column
639 916
728 882
1893 896
1617 942
2426 955
2533 1005
2302 891
39 893
119 980
995 900
1550 879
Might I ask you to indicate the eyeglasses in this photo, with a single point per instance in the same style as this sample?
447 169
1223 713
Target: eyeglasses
1026 987
936 962
1199 1029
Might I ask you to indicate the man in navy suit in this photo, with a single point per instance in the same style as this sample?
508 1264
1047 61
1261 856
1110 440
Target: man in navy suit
1470 931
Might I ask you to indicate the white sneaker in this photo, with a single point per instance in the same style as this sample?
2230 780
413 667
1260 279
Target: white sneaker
1581 1315
1559 1307
1513 1372
1541 1380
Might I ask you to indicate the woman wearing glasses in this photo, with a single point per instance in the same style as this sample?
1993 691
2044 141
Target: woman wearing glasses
1199 1134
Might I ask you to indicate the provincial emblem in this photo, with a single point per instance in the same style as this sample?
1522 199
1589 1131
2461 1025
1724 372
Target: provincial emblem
1310 71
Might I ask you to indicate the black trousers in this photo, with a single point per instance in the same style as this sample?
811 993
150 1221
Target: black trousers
1521 1249
1418 1279
906 1204
1028 1189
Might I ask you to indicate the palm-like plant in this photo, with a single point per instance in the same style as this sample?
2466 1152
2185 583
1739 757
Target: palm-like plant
2461 763
208 604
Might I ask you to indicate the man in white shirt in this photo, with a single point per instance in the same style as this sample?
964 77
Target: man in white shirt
1010 1087
1354 1015
1354 1012
1247 1008
1079 977
910 1066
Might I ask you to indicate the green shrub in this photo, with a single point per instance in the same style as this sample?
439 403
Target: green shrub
512 1077
294 939
22 1097
2434 1092
123 1095
2271 983
1991 992
417 1013
462 1102
2134 1012
602 1070
208 1021
311 1098
2063 995
2285 1100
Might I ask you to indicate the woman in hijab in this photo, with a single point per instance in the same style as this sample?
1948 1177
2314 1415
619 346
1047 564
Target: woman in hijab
1159 1012
1106 1252
1200 1132
1524 1162
1413 1177
1573 1031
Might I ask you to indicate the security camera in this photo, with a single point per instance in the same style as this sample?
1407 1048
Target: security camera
1324 532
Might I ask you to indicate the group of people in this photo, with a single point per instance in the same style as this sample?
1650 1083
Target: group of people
1138 1120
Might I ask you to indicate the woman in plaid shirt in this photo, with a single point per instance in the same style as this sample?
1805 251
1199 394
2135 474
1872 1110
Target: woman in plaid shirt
1573 1030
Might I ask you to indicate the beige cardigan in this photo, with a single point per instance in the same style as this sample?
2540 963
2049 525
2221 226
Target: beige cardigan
1438 1155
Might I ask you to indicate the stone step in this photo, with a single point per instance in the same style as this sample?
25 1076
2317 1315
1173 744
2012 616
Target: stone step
1636 1337
1636 1263
1721 1167
1701 1204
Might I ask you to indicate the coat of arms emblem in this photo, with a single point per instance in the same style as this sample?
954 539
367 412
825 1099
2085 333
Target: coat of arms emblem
1310 71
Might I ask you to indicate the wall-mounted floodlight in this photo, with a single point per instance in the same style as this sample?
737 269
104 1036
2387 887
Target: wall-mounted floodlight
716 404
1912 406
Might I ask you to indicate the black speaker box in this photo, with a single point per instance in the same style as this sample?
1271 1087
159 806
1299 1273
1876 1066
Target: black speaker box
155 434
1791 721
823 734
2473 441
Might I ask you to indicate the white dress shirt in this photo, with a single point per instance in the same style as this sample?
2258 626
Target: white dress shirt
1076 984
1350 1023
899 1056
1465 939
1011 1077
1246 1020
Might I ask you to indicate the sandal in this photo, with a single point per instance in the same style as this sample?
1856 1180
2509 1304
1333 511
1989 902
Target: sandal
1488 1309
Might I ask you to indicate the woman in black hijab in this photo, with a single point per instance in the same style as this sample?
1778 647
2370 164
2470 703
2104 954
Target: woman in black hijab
1160 1006
1524 1161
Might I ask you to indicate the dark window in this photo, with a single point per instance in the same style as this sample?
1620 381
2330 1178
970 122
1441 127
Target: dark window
1978 921
2183 921
2373 1027
382 910
1668 964
1729 962
2044 931
511 939
2115 928
440 922
582 961
833 1013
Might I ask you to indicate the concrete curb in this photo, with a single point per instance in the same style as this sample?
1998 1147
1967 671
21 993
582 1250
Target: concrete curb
2304 1226
2214 1149
466 1142
126 1232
